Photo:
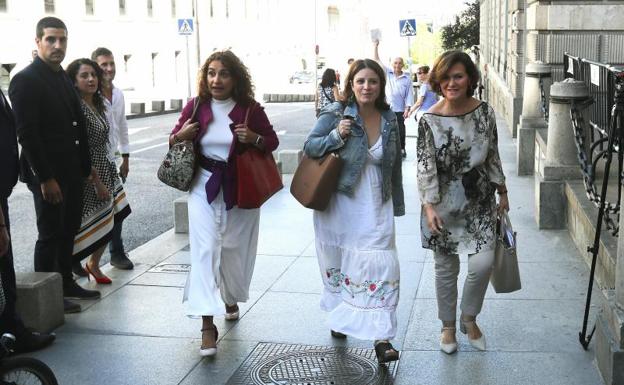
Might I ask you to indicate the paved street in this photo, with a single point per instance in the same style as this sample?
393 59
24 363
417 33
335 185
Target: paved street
151 201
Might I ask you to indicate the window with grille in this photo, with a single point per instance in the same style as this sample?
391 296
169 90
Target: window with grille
89 7
3 5
150 8
48 6
122 7
173 8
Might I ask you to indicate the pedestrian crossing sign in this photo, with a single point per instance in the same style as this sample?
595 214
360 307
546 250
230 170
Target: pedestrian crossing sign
185 26
407 27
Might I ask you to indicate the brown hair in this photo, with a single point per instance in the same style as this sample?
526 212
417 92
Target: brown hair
243 88
444 63
357 66
424 69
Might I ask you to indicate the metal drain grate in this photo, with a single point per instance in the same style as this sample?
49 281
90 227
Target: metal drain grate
284 364
171 268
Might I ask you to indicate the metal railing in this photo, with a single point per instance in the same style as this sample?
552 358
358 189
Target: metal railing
606 119
592 137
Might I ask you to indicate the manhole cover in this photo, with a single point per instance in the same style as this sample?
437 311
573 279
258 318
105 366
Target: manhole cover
284 364
171 268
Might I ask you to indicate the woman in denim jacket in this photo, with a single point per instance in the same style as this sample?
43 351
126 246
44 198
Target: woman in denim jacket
355 235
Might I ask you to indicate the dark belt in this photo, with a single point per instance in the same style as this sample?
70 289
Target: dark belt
214 183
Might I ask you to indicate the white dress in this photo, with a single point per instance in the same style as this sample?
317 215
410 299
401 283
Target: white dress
357 257
223 242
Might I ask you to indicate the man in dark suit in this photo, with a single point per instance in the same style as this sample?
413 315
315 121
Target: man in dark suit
26 339
55 153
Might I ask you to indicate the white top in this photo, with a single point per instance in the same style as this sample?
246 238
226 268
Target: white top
216 142
116 116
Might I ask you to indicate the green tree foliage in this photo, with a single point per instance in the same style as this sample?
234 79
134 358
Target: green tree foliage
464 32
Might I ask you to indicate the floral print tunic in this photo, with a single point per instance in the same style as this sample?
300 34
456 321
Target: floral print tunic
458 170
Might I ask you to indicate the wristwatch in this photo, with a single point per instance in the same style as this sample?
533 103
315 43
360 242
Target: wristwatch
259 140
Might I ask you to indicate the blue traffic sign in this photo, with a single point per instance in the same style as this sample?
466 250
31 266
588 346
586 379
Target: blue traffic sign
407 27
185 26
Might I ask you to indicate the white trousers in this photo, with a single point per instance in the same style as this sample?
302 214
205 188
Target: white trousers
475 286
223 253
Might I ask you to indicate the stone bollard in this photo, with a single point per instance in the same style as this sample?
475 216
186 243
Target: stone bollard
561 161
40 300
158 105
180 215
137 108
532 117
176 104
290 160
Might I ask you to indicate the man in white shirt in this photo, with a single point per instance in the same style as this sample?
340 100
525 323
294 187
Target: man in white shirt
399 91
119 144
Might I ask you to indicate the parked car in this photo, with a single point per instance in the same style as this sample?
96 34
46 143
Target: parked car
302 77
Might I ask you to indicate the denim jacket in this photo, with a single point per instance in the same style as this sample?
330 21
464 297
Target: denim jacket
325 138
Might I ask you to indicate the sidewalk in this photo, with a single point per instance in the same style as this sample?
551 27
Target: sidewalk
138 333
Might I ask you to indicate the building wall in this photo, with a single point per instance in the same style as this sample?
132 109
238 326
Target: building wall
516 32
273 38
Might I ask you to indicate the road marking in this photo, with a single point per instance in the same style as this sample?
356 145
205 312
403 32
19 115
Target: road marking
135 130
150 147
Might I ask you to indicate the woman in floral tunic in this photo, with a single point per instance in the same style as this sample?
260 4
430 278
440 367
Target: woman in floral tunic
459 170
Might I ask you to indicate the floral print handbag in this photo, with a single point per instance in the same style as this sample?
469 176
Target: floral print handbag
178 167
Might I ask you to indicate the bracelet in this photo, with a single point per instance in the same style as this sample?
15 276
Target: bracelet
501 192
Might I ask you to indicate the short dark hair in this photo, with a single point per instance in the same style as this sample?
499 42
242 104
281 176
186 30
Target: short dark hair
357 66
424 69
329 78
101 51
444 63
49 22
243 91
72 72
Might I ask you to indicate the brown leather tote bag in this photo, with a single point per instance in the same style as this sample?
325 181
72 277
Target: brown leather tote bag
315 180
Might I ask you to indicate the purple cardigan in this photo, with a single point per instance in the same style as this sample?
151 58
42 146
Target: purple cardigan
258 122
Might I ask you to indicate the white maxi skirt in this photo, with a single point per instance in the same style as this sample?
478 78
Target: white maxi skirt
223 247
355 245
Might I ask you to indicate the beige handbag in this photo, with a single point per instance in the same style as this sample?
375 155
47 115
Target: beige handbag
505 276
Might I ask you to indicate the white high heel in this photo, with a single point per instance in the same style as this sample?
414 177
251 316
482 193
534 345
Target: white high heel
447 348
209 352
478 343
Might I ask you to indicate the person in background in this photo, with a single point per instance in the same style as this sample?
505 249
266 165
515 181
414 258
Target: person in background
458 172
400 92
104 197
119 144
55 158
26 340
355 234
327 91
223 238
426 96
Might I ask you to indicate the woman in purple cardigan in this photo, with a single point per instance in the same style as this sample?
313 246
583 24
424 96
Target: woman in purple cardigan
223 238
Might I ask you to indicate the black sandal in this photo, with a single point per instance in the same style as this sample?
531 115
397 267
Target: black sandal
339 335
385 352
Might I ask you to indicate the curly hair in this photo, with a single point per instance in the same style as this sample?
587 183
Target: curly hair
443 65
357 66
243 91
72 72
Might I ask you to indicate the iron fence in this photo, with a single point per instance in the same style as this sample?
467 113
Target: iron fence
592 137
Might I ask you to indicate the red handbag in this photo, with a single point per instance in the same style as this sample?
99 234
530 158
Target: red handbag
257 176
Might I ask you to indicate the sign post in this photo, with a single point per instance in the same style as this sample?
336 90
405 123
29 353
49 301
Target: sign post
407 28
185 28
